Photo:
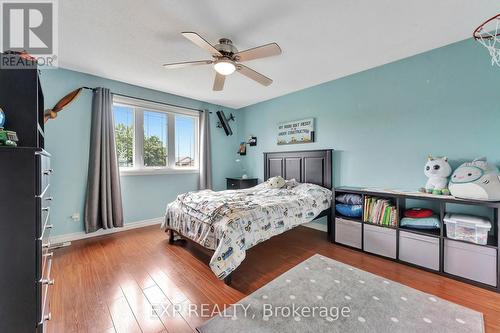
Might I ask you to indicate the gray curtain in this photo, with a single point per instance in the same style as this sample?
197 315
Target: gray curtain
103 205
205 152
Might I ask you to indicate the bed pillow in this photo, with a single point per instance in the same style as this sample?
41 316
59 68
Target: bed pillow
349 210
276 182
291 183
421 223
350 199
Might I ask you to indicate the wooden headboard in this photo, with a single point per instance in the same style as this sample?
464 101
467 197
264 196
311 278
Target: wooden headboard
306 166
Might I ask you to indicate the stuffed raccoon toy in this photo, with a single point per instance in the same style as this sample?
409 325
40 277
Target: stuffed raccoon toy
476 180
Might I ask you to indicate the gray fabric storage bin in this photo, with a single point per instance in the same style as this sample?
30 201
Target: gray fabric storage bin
380 240
419 249
348 232
475 262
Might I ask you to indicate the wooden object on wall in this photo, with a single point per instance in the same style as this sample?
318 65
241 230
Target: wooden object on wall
63 102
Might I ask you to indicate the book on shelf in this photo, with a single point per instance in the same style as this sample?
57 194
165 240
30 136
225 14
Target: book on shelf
380 211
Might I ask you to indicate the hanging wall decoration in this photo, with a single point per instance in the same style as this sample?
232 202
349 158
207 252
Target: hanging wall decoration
299 131
243 148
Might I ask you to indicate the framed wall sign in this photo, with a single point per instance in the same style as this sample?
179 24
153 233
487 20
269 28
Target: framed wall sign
299 131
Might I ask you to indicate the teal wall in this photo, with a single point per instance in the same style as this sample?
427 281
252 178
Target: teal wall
384 122
68 137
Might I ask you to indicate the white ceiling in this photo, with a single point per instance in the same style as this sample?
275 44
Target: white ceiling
128 40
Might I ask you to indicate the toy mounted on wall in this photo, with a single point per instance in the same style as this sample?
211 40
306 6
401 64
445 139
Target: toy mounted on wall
62 103
224 122
437 169
477 180
252 142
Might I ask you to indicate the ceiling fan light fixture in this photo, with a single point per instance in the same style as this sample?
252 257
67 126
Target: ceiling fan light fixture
225 67
226 59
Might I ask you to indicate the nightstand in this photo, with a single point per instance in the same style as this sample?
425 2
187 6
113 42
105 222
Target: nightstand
239 183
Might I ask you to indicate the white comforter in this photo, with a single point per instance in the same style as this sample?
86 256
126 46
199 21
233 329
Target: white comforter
230 222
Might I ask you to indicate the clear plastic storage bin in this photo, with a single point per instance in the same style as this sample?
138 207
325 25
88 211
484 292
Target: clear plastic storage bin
467 227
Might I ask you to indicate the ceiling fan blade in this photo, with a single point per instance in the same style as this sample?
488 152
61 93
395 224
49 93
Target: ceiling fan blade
198 40
251 74
219 82
176 65
268 50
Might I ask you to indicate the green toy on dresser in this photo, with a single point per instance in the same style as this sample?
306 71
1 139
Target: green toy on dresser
7 138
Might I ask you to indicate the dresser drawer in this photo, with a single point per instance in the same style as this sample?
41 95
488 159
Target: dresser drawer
45 305
240 183
46 264
44 244
45 173
45 224
44 286
233 184
43 203
46 279
44 241
43 254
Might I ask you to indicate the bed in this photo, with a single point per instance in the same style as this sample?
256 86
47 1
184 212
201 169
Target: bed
231 222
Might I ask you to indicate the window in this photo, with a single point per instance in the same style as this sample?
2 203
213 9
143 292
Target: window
155 138
124 133
184 138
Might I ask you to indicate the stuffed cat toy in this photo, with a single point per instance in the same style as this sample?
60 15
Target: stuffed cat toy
437 170
476 180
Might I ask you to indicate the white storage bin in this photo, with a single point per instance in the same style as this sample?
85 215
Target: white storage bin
467 227
419 250
379 240
348 232
474 262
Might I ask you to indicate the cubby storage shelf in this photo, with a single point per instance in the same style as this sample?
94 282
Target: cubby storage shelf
380 225
425 232
412 195
429 249
492 242
354 219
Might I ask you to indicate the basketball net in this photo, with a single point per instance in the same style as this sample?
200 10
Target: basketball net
489 37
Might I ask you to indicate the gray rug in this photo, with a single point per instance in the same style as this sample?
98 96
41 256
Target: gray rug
327 288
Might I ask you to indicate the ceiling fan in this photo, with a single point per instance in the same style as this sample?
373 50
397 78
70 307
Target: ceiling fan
226 59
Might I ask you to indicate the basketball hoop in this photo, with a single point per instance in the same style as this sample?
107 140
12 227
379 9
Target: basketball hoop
488 34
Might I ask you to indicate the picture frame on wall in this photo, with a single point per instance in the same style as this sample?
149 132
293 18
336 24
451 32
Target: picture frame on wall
243 148
297 131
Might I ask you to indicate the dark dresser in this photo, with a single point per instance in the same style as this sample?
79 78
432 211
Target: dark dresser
25 172
240 183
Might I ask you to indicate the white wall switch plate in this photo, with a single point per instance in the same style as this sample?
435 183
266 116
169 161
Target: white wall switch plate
75 217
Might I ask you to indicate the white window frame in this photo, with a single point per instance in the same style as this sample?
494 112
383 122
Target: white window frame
139 106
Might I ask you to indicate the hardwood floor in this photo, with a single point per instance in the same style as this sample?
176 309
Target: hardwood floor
108 284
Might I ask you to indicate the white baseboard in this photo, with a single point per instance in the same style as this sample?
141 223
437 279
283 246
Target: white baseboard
139 224
82 235
317 226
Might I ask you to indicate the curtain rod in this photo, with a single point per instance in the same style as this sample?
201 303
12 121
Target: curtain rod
149 100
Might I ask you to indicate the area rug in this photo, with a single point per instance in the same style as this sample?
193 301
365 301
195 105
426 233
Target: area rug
324 295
